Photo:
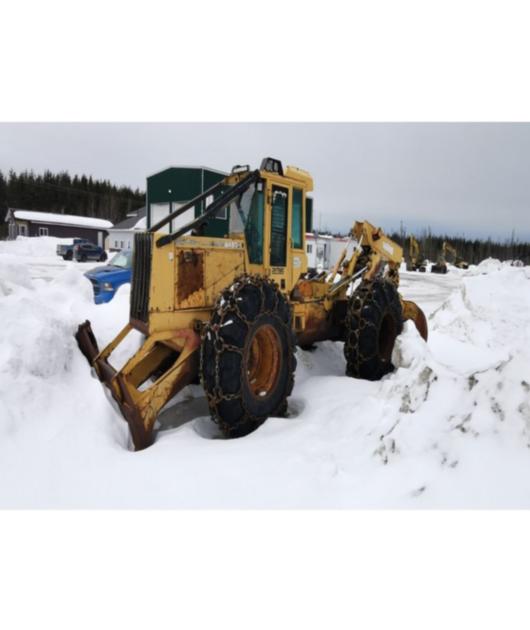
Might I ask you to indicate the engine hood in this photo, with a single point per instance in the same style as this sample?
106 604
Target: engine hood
109 273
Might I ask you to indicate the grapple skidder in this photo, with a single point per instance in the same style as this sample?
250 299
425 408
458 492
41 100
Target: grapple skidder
228 311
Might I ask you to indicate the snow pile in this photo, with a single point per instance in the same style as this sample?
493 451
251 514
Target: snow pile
465 397
490 265
39 361
32 246
450 427
13 275
52 413
36 257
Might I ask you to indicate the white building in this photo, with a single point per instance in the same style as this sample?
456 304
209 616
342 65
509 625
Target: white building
121 236
36 223
323 250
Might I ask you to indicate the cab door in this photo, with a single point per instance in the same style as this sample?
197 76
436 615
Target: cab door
278 234
297 240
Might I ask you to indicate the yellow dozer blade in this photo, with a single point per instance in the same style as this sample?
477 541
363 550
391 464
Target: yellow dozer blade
169 361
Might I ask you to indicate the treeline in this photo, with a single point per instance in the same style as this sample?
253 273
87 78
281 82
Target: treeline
472 251
64 194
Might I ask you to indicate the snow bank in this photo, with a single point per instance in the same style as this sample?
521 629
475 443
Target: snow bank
491 265
449 428
52 413
465 397
32 246
13 275
42 376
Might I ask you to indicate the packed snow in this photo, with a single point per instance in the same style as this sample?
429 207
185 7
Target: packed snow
449 428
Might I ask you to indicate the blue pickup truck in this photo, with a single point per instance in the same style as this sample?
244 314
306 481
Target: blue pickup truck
106 280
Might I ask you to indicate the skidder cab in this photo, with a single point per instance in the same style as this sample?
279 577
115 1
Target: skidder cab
228 311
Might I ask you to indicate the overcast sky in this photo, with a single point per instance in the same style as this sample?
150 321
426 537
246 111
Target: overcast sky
471 179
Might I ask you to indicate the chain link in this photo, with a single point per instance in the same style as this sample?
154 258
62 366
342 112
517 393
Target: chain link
231 303
357 323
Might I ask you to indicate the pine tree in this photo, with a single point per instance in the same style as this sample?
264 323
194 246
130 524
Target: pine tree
62 193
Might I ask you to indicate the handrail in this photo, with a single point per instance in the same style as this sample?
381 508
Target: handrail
186 206
213 208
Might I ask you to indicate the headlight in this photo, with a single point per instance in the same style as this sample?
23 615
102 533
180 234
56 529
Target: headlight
107 286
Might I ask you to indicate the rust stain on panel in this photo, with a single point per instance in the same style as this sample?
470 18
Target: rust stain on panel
190 273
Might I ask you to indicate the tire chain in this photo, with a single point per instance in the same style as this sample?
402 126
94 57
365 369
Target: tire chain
226 306
355 322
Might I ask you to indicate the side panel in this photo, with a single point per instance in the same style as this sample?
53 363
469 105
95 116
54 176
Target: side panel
204 273
187 277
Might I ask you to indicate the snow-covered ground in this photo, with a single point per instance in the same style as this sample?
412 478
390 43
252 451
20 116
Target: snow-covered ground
449 428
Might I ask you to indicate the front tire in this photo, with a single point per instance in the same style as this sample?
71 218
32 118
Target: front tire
247 360
374 319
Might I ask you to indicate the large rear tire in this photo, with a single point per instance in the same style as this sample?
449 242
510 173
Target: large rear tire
374 319
247 360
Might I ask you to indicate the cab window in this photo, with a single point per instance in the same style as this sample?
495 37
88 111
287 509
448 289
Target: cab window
246 214
278 226
297 227
254 229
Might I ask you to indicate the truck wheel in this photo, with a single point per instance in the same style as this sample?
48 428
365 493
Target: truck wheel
373 321
103 257
247 360
68 256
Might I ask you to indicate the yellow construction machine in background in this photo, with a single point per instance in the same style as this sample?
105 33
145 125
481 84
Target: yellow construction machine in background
441 263
414 261
228 312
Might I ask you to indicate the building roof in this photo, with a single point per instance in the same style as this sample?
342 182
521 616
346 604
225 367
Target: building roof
135 222
184 167
60 219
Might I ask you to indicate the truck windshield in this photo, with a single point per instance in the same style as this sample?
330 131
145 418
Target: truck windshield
122 259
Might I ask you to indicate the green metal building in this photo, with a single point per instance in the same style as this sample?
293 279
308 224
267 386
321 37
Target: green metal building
171 188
